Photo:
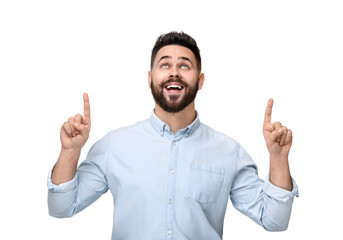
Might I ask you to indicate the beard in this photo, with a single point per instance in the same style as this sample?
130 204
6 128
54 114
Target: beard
174 103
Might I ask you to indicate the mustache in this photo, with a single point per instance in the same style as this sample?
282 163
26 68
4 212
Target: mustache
170 80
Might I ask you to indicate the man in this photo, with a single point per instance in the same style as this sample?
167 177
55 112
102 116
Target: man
171 175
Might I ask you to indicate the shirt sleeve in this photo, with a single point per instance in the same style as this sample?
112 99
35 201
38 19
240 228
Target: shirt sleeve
266 204
88 184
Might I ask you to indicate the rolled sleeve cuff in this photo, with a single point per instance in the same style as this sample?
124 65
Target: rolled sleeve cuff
280 193
63 187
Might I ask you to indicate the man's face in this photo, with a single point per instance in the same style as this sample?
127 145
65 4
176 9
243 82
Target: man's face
174 79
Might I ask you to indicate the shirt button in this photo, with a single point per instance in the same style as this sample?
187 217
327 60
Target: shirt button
174 143
169 231
170 201
171 171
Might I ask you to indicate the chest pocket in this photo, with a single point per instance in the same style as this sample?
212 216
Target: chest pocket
205 183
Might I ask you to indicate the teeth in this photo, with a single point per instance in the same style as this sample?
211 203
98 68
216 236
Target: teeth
174 86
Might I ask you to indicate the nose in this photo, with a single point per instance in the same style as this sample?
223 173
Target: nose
174 76
174 73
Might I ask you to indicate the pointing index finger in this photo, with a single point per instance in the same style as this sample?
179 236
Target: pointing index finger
268 114
86 106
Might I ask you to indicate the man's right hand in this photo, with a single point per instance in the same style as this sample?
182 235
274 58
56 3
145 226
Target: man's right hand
75 132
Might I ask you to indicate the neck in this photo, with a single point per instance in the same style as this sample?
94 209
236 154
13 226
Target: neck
179 120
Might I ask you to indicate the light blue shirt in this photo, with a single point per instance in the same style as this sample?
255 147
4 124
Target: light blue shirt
168 186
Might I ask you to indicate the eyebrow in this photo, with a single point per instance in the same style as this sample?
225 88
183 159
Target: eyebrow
183 58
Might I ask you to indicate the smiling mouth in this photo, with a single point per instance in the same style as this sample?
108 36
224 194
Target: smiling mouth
174 87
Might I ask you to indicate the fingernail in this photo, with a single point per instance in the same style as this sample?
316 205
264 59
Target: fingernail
280 130
76 124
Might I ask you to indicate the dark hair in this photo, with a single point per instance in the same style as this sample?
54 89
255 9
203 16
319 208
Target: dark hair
176 38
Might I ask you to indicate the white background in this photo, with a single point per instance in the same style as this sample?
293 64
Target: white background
53 51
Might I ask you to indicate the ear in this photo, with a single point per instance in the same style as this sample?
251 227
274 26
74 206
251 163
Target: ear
201 80
149 78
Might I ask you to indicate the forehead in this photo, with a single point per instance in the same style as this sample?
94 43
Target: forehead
175 51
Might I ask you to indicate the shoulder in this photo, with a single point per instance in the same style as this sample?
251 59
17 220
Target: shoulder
211 134
141 128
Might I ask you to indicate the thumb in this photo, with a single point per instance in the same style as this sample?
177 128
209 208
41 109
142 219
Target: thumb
81 128
275 134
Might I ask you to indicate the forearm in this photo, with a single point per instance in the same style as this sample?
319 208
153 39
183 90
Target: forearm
65 167
279 173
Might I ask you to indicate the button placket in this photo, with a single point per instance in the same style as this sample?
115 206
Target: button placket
169 227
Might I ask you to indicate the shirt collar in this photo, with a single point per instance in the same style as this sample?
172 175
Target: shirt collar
160 126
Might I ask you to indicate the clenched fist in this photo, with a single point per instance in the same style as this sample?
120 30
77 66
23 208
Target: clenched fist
278 137
75 132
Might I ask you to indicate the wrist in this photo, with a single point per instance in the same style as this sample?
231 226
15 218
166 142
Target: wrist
278 157
70 151
69 157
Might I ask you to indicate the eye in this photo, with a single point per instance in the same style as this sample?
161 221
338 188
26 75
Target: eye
184 66
164 65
